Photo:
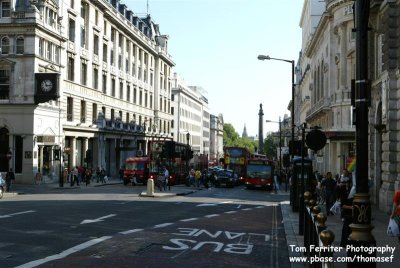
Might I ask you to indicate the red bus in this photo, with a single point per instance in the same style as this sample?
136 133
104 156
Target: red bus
136 170
171 154
235 158
259 173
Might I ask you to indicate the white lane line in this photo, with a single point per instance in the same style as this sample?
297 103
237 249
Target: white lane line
65 253
230 212
239 206
131 231
162 225
226 202
211 216
247 209
18 213
260 207
206 205
191 219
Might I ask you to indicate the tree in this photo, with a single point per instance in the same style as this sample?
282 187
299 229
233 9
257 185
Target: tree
232 138
270 146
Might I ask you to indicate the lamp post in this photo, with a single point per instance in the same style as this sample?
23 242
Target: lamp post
263 57
187 150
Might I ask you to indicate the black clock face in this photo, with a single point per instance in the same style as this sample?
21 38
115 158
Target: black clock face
46 85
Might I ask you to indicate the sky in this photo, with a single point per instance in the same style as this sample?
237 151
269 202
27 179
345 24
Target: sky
215 44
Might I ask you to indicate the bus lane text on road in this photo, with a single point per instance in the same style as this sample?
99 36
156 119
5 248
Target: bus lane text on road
244 246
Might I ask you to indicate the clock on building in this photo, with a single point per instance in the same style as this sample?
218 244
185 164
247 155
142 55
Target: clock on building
46 85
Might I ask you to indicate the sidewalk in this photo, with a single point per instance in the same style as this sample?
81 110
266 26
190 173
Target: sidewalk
54 186
379 221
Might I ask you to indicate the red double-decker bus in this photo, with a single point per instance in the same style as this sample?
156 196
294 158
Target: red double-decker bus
259 173
136 170
235 158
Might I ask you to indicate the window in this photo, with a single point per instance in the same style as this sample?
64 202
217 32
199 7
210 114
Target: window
145 99
151 101
112 114
41 47
20 45
96 44
5 45
134 95
104 52
71 71
95 77
70 108
121 90
113 87
94 113
83 37
71 30
49 51
83 73
96 17
140 97
57 55
5 9
104 82
128 93
103 111
4 84
83 111
105 27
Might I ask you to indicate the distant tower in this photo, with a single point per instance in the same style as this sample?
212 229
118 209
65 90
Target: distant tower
260 131
244 134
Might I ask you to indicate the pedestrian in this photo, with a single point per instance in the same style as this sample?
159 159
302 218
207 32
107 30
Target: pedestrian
121 173
192 174
10 177
328 185
88 176
346 203
396 209
197 178
166 179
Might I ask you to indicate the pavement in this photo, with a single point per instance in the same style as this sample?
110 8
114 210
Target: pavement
290 219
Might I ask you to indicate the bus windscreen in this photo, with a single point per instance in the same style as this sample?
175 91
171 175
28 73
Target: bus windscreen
259 171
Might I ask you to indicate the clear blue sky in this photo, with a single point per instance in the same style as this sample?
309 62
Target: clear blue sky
215 44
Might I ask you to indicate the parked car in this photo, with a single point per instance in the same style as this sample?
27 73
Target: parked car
226 177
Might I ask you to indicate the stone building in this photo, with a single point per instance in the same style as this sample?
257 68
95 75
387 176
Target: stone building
112 85
327 66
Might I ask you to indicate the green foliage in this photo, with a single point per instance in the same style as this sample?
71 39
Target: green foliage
232 138
271 145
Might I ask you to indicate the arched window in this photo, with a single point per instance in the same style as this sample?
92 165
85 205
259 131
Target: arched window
5 45
20 44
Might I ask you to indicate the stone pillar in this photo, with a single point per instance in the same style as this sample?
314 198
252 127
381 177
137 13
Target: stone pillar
73 149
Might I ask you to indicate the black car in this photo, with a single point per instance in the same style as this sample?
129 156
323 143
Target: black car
226 177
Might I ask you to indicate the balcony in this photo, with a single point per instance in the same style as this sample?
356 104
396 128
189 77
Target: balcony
322 106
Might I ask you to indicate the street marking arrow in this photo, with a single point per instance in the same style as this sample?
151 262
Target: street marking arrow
18 213
98 219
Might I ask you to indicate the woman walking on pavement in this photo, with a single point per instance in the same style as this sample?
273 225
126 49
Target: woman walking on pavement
396 209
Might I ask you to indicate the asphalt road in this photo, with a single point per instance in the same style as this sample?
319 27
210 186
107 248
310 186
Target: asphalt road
113 227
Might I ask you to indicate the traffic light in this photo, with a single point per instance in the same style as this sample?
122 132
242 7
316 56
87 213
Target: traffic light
295 148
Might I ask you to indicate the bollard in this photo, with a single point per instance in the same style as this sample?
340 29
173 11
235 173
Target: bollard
150 187
327 237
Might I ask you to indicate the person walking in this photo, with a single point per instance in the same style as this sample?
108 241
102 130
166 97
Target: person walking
10 177
346 202
197 178
328 185
396 209
166 179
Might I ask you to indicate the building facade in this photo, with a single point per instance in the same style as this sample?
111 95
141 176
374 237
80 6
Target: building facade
113 90
191 115
216 138
327 66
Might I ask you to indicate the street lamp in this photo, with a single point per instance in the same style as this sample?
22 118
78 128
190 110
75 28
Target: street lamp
262 57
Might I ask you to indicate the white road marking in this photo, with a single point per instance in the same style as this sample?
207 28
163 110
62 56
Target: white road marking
98 219
18 213
65 253
260 207
131 231
230 212
239 206
226 202
206 205
211 215
191 219
247 209
162 225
